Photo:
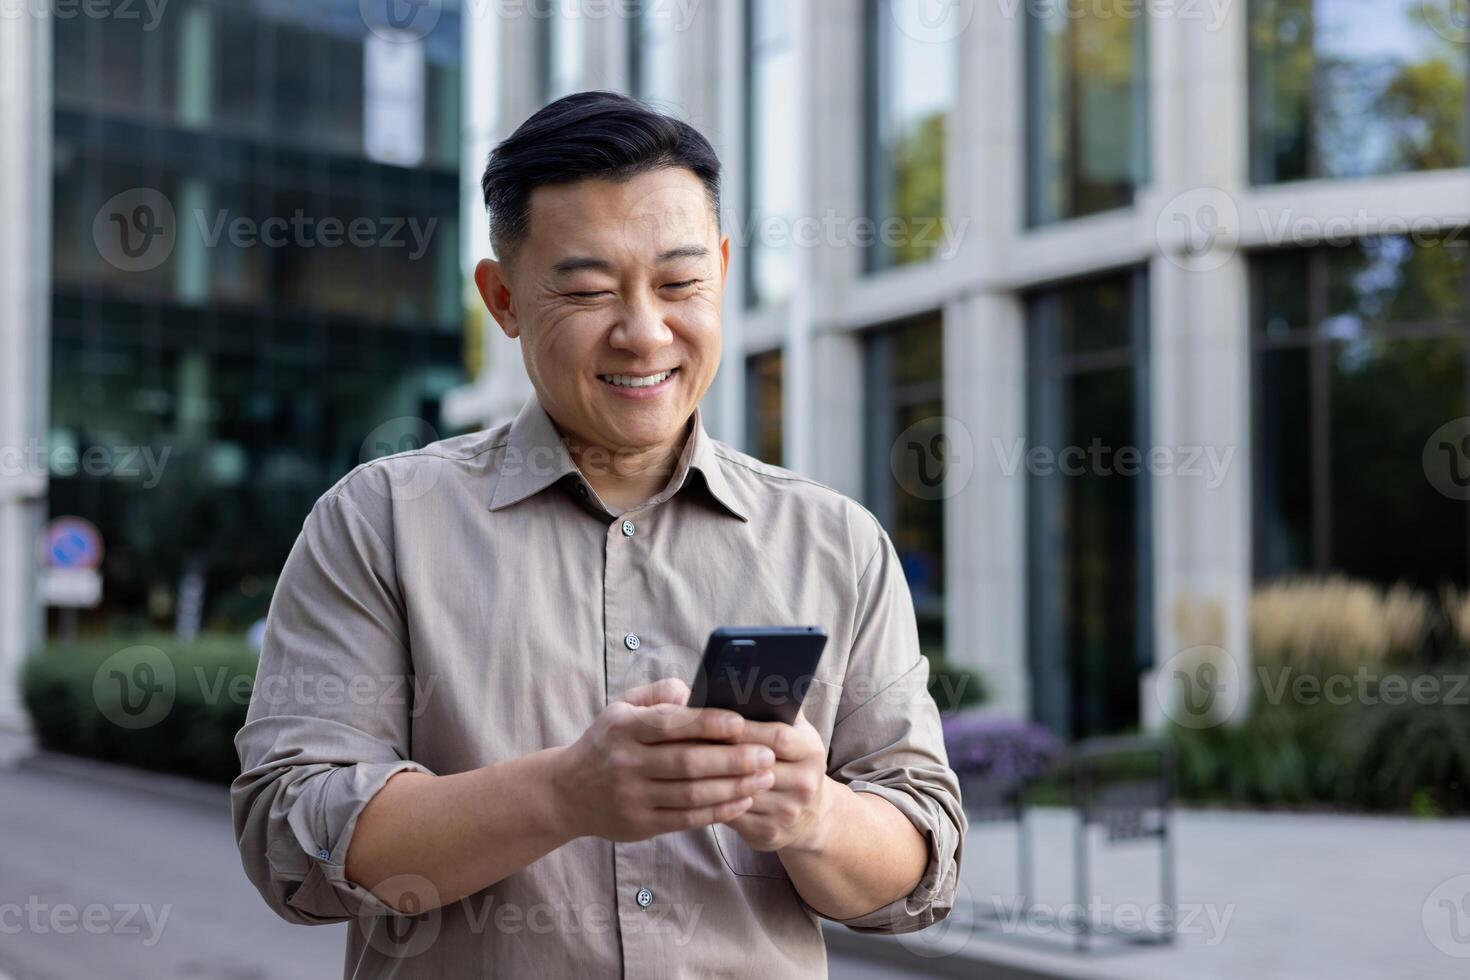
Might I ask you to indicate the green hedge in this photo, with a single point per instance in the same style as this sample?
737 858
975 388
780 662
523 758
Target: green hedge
1365 754
146 701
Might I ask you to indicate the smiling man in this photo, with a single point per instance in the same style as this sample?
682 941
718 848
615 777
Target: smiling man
542 803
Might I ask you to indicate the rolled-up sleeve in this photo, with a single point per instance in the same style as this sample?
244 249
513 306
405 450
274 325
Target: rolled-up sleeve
887 740
329 716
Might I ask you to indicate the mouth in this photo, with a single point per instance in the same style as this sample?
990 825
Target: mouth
638 385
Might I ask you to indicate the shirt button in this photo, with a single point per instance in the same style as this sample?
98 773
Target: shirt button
644 898
629 528
632 642
324 854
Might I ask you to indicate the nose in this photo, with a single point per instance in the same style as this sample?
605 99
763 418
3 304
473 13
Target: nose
641 331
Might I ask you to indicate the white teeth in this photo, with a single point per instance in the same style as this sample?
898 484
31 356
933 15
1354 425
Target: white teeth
634 380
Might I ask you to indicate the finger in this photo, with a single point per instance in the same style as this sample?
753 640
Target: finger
670 820
691 760
692 793
675 722
669 690
788 742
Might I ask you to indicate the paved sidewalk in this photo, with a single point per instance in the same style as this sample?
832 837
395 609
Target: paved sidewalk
1269 896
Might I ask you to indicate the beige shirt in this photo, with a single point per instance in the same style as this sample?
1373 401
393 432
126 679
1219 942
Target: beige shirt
474 601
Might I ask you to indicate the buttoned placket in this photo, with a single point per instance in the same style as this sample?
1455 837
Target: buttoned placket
625 640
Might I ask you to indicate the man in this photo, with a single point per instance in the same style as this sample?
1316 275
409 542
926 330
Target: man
471 697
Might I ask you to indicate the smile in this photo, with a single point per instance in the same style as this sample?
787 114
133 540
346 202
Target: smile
637 380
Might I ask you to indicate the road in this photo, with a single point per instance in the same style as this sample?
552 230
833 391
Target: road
108 879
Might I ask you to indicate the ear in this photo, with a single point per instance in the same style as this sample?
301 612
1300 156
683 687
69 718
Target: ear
490 278
724 259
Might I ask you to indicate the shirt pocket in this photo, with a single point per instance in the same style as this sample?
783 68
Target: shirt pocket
819 706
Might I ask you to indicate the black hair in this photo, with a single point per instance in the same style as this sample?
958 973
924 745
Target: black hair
582 136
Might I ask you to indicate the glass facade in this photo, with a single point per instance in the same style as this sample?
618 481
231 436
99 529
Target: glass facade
905 386
1360 356
770 135
243 290
1090 576
1351 88
562 43
1087 108
764 406
911 90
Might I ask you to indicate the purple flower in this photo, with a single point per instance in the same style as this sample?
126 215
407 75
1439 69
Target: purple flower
999 749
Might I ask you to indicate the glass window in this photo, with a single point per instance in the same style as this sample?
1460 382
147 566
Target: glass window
910 94
764 407
905 384
1347 396
1087 117
770 123
1349 88
1089 579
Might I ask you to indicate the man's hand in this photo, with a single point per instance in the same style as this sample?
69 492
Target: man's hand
649 765
794 812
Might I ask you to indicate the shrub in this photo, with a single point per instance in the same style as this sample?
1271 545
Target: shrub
96 698
953 687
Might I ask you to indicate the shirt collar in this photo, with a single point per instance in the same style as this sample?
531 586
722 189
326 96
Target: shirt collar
536 457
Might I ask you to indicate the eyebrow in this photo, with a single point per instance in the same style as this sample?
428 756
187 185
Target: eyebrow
582 263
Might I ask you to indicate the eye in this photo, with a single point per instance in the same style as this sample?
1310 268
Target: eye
682 285
593 294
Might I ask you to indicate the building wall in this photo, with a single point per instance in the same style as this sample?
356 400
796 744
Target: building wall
1199 533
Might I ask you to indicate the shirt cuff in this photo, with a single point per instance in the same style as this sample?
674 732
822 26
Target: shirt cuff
933 897
323 820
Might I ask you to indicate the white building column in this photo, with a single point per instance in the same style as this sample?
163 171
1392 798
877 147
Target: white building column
25 242
1200 337
985 522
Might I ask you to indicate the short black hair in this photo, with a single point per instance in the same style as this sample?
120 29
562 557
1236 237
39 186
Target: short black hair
583 136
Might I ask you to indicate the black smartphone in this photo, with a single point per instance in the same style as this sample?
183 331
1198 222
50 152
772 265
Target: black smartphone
762 672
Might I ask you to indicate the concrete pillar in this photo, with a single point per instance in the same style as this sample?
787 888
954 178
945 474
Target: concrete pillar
25 241
1200 337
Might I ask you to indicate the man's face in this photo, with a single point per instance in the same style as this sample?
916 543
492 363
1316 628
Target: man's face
615 296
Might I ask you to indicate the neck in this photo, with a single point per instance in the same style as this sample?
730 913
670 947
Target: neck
627 478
